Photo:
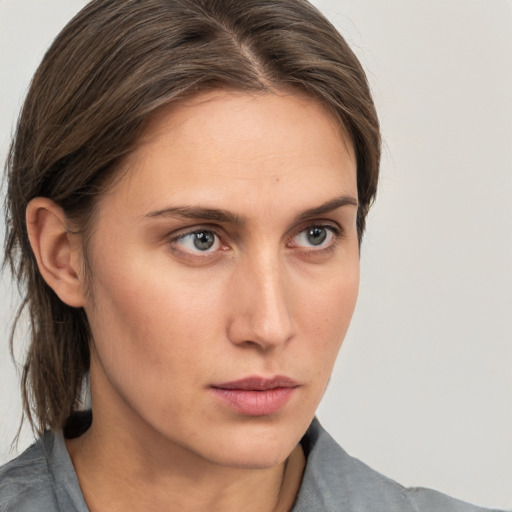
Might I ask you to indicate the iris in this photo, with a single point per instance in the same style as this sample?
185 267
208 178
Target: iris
316 235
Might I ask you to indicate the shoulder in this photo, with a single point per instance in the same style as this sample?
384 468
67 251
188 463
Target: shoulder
26 484
334 480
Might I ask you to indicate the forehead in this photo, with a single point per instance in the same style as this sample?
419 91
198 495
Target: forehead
238 115
223 145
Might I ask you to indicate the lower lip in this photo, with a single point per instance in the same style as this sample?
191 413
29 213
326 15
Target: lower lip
255 403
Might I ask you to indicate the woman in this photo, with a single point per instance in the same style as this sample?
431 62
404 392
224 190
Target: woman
188 189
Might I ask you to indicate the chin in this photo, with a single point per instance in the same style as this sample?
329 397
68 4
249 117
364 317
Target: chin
257 445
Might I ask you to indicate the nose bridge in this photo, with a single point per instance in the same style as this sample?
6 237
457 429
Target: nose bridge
263 313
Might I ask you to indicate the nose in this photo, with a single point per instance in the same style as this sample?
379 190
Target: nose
260 304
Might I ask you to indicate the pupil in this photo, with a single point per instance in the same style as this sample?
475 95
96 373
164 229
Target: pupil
316 236
204 240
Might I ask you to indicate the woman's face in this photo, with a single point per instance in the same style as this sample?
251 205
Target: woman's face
224 272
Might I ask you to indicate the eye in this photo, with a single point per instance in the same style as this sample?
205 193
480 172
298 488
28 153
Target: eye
315 236
199 241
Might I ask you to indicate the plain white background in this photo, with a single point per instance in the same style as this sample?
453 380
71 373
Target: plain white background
422 390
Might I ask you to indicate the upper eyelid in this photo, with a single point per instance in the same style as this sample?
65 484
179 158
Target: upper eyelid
183 232
329 224
322 223
195 232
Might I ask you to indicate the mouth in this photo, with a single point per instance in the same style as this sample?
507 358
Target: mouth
256 396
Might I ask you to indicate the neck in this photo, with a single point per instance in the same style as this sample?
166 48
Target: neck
117 471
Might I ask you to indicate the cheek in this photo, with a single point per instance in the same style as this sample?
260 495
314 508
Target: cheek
145 315
330 310
146 339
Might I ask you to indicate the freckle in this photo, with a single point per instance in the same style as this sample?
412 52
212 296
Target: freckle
277 179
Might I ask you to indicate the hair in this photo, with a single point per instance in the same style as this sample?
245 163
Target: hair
109 70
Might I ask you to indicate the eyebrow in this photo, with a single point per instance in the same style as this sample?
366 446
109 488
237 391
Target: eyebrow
225 216
328 206
191 212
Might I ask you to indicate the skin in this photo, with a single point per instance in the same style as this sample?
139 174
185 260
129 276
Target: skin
169 320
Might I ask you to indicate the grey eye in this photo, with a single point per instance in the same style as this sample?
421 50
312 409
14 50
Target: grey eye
204 240
199 241
316 235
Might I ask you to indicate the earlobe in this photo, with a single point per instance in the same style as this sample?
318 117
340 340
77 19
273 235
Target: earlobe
58 255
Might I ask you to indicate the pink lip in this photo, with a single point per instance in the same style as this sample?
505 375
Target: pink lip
256 396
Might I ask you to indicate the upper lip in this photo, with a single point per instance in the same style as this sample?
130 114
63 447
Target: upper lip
256 383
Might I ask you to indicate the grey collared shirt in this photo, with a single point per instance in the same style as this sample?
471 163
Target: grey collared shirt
43 479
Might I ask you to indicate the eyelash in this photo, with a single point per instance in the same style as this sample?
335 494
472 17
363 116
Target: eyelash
336 232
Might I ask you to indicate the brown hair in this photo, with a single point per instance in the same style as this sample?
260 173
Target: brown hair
107 72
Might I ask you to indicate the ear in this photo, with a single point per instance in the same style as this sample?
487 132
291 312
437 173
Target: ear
57 251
